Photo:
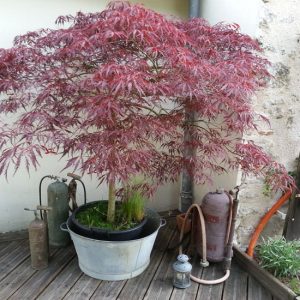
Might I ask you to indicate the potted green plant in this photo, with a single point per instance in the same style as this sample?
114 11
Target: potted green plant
275 265
111 92
282 259
91 219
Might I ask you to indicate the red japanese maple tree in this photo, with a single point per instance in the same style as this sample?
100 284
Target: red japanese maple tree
111 91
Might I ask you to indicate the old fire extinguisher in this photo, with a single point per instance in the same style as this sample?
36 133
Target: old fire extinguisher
212 228
38 239
217 211
58 200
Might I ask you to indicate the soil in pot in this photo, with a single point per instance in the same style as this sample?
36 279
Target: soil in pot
90 220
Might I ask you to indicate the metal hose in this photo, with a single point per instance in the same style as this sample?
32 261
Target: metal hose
77 177
40 189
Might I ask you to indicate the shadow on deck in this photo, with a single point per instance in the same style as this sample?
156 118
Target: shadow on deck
64 280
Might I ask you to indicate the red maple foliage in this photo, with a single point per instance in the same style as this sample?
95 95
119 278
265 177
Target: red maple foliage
111 90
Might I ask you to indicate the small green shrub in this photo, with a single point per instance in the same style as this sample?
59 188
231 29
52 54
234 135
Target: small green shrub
280 257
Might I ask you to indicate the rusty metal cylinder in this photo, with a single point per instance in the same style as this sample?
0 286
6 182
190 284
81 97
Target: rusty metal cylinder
216 208
38 243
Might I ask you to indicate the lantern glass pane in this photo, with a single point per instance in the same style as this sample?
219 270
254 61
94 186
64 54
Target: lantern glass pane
181 280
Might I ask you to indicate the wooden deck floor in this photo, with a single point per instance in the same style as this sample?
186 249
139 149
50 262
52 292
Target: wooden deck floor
64 280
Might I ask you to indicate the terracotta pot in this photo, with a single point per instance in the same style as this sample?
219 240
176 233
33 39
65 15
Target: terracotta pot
188 223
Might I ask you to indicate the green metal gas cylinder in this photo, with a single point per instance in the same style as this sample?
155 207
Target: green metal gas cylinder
58 200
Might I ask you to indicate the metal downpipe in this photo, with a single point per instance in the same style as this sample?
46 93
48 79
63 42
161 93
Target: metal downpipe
194 8
186 194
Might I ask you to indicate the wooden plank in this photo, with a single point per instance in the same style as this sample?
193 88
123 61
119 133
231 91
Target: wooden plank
63 283
273 285
63 278
11 283
84 288
256 291
165 235
235 287
189 293
214 271
41 279
17 278
13 258
136 288
109 290
3 245
13 247
161 286
14 235
6 250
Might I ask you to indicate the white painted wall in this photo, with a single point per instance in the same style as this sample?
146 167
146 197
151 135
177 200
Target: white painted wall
18 17
243 12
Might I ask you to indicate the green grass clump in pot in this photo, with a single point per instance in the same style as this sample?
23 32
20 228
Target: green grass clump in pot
133 207
280 257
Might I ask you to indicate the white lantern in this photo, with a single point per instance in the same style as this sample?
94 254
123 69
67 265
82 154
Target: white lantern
182 271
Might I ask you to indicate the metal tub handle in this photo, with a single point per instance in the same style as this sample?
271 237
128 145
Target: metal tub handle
64 227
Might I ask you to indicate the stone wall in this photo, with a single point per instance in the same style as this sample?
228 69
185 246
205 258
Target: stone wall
279 34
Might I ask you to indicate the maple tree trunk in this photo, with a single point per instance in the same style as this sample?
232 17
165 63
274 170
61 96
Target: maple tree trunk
187 180
111 202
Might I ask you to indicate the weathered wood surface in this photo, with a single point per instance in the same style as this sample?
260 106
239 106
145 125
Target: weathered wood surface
64 280
235 287
36 284
257 291
13 256
137 287
211 291
191 292
266 280
63 283
14 235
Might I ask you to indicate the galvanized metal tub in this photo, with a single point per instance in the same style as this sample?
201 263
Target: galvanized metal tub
116 260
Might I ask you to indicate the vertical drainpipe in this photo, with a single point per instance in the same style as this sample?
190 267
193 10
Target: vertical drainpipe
186 194
194 8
